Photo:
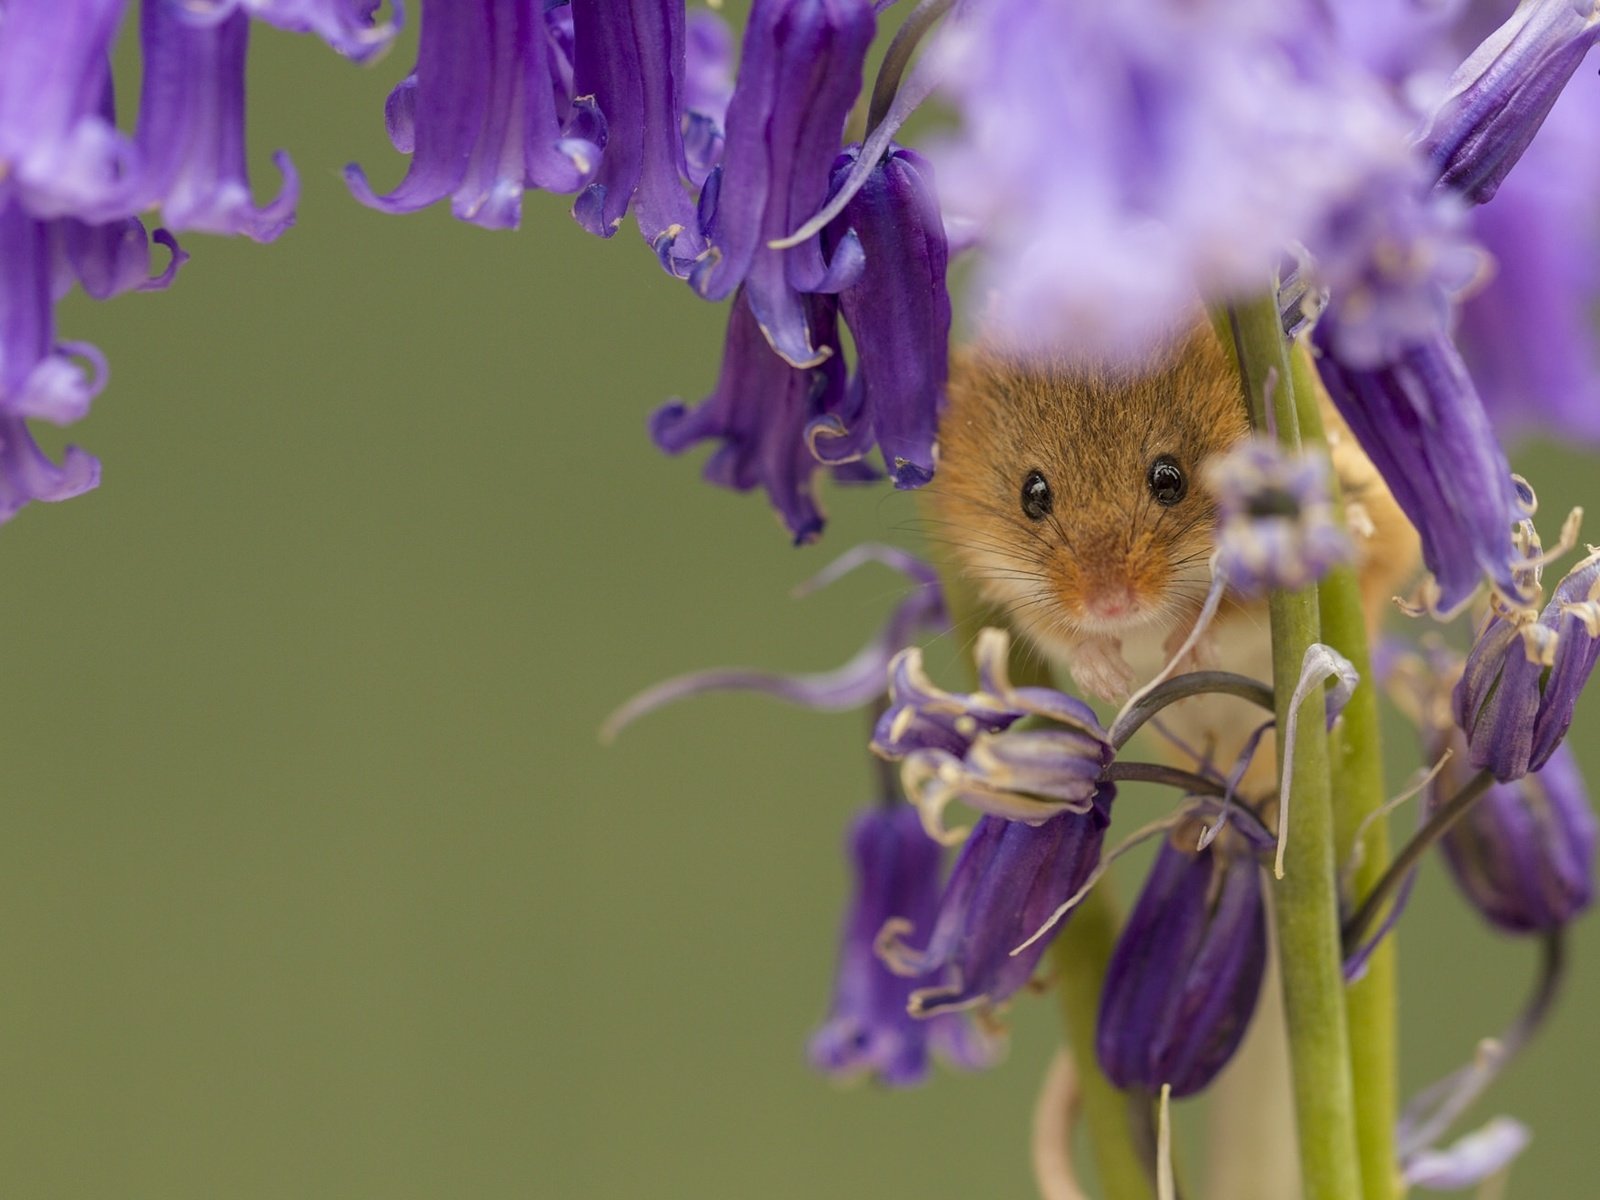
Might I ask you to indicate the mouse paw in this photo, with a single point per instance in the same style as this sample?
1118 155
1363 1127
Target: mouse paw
1202 656
1099 669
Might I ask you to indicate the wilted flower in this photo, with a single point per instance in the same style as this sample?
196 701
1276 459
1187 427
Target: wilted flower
962 746
1276 524
1008 881
1515 699
1185 976
1523 854
868 1029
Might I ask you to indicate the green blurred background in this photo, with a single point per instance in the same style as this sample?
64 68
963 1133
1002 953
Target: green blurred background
316 881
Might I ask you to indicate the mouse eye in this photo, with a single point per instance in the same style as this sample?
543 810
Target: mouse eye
1167 482
1036 497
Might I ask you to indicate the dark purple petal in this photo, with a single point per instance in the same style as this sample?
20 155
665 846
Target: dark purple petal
1419 419
60 151
1007 882
191 128
899 311
799 75
1516 696
630 56
868 1029
486 114
26 474
1500 95
1183 981
759 411
707 87
1523 855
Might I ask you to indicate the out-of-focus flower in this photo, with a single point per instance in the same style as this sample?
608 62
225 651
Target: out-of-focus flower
60 151
962 746
1528 333
191 127
899 315
1008 881
1515 699
868 1029
352 27
1185 976
799 75
760 411
1122 158
487 113
629 55
1497 99
112 258
27 474
1523 854
1420 421
707 88
1276 525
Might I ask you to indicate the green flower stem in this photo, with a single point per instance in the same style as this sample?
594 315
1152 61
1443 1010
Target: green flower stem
1371 1002
1305 900
1081 954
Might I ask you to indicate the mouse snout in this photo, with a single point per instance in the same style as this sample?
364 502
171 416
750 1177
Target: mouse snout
1109 600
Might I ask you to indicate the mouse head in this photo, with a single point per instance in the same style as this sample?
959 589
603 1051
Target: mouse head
1073 493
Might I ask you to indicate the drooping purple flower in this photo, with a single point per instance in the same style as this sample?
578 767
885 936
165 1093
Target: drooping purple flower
1276 524
486 113
1007 882
760 410
1527 333
1419 419
60 151
630 56
27 474
1497 99
351 27
191 127
899 315
1121 159
1185 976
1523 854
799 75
109 259
1516 697
868 1029
707 88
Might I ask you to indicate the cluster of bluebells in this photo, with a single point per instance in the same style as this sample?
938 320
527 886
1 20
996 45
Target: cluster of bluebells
73 184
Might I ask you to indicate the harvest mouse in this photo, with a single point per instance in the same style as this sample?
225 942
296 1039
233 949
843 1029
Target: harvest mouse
1073 495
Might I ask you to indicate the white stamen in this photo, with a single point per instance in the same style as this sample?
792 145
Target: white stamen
1166 1185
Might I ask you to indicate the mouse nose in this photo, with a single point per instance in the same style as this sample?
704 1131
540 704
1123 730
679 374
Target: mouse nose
1110 601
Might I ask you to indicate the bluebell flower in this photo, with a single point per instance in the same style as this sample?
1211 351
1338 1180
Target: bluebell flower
488 112
760 410
1523 854
60 151
799 75
630 55
868 1029
1515 699
898 312
1276 524
1497 99
1008 881
707 88
1419 419
1186 973
352 27
191 140
1120 159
